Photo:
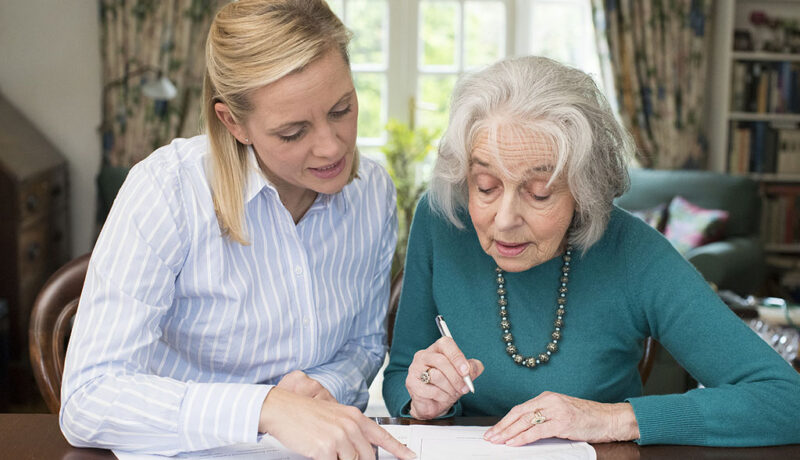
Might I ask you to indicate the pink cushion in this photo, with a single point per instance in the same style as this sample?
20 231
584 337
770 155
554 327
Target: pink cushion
690 226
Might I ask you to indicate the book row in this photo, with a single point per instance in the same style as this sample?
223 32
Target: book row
765 87
764 147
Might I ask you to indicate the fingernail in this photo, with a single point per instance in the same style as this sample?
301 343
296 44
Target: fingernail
464 369
512 442
465 390
487 435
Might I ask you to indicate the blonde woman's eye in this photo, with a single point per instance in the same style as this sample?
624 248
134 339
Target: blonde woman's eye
292 137
539 197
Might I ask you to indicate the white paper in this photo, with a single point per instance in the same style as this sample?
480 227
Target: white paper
466 442
429 442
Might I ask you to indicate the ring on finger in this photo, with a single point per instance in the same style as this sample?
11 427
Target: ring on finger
538 417
425 376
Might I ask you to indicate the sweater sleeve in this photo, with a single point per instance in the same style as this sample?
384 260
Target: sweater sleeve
752 396
414 327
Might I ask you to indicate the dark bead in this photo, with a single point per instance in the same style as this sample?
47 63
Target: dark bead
543 358
530 362
511 350
556 335
501 280
561 300
501 291
565 268
561 311
562 289
567 257
505 324
498 270
558 323
552 347
502 302
518 359
508 337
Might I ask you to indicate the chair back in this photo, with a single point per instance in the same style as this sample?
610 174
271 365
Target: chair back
50 325
645 364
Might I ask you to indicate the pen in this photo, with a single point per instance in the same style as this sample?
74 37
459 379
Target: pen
446 333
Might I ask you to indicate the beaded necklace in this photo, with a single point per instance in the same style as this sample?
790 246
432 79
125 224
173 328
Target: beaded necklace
561 304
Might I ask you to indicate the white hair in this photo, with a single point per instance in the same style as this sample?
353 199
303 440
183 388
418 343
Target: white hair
542 97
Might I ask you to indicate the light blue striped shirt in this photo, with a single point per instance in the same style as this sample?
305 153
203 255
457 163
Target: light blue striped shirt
181 333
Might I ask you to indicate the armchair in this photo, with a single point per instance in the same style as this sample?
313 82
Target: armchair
736 262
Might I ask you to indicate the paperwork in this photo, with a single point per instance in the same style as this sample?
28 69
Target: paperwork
467 443
429 442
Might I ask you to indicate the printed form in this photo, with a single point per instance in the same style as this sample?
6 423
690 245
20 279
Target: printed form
428 441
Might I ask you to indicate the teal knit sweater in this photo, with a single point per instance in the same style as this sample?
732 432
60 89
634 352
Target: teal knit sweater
629 285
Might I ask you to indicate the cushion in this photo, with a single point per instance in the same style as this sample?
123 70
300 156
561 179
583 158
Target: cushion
655 217
690 226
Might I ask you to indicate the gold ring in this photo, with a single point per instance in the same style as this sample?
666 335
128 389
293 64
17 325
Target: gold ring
425 376
538 417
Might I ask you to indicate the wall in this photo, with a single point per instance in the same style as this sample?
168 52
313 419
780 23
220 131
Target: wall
50 70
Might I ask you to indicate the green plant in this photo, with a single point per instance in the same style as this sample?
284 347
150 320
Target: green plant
405 151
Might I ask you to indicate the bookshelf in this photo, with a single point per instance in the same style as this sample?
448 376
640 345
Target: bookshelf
754 118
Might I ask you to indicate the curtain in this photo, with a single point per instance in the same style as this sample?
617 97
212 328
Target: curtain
142 40
659 52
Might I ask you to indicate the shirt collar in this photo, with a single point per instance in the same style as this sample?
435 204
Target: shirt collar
257 181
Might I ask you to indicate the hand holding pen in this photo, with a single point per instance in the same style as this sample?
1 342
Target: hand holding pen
439 375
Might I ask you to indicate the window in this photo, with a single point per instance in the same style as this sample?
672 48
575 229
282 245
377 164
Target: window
406 55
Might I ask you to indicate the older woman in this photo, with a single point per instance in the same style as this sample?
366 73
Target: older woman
550 289
240 283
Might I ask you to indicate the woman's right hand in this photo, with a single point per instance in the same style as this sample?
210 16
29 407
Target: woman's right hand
323 429
446 365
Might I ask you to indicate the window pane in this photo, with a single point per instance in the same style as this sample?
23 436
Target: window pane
484 30
438 33
337 8
370 89
368 22
554 33
433 101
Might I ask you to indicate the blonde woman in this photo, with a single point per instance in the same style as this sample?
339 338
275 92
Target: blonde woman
239 285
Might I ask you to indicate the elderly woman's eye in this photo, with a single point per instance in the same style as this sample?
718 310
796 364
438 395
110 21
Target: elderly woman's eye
539 197
486 190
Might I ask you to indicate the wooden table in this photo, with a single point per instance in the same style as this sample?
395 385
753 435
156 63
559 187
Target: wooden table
37 436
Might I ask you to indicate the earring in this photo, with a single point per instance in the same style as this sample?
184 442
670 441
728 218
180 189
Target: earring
246 140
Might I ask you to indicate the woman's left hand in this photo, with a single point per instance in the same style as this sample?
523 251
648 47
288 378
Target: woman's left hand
298 382
567 418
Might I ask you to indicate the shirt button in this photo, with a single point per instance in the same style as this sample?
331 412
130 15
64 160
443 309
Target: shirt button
298 270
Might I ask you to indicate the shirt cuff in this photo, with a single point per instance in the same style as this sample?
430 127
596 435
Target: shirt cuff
218 414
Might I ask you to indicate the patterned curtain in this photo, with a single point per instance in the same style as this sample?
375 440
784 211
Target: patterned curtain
659 52
142 40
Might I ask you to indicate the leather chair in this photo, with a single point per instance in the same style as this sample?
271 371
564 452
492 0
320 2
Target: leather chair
645 364
51 322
